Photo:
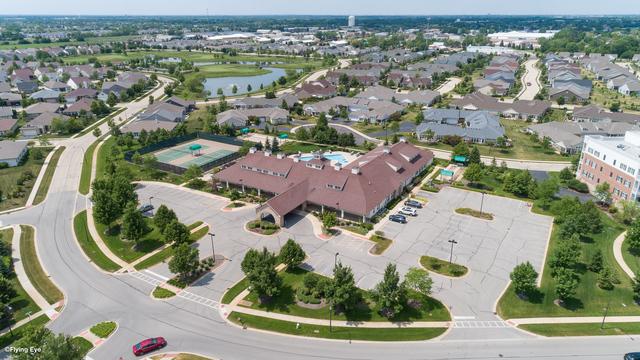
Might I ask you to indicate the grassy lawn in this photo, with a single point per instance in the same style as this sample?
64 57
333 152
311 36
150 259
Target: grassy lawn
15 195
89 245
167 252
342 333
442 267
285 303
234 291
17 333
162 293
590 300
126 250
583 329
21 303
103 329
474 213
382 244
34 269
631 260
135 172
48 176
85 175
355 229
524 147
83 344
604 97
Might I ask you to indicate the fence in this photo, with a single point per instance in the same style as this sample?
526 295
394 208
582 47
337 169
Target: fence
128 156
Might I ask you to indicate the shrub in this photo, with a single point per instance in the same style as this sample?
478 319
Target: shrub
578 186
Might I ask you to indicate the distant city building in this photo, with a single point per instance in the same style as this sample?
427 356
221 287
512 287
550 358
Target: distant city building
352 21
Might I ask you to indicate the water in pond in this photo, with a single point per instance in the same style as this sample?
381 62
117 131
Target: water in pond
226 83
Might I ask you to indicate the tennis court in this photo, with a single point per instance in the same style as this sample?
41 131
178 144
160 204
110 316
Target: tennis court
198 152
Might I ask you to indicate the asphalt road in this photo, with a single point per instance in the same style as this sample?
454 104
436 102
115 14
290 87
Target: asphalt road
93 296
530 76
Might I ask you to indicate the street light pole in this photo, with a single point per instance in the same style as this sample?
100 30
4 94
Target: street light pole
604 317
213 252
335 264
453 242
482 203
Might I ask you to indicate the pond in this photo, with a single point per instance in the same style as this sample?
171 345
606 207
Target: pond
226 83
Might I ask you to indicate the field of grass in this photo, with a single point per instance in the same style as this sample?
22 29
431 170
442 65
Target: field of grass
18 333
342 333
83 344
524 147
604 97
10 176
430 310
103 329
162 293
583 329
33 268
48 176
629 258
442 267
89 246
21 303
126 250
589 300
474 213
234 291
381 244
167 252
85 175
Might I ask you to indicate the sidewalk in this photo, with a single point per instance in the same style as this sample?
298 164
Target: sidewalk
617 253
43 170
20 272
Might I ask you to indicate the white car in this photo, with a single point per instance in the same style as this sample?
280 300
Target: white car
408 211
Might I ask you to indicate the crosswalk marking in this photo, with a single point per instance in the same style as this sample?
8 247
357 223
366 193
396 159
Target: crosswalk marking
480 324
146 278
189 296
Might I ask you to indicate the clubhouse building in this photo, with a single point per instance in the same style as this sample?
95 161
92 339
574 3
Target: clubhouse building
356 191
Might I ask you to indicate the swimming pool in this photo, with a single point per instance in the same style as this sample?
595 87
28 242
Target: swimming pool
334 157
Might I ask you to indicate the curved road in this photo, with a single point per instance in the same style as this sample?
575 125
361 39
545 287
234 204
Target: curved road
93 296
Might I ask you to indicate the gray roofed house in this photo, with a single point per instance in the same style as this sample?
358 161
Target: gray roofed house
6 112
378 92
12 152
593 113
164 112
567 137
8 126
188 105
27 87
36 109
41 124
238 118
569 91
479 126
11 99
5 87
261 102
136 127
56 85
519 109
46 95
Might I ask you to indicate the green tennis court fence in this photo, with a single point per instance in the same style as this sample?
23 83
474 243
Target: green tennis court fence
207 158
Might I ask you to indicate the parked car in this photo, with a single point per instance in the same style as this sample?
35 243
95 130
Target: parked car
148 345
145 208
398 218
632 356
413 203
408 211
528 84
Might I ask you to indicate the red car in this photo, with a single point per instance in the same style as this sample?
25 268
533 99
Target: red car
149 345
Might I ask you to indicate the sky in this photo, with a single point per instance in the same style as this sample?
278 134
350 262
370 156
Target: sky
319 7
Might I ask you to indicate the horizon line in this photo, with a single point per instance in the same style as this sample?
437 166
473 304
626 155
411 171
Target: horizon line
323 15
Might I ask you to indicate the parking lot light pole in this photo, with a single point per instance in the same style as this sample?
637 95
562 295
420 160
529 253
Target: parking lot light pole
335 264
213 251
482 203
453 242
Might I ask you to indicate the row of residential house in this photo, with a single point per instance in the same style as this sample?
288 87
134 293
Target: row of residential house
500 76
565 79
164 115
614 76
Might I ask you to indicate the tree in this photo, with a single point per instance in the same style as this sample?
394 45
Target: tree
566 175
292 254
474 156
342 290
390 293
163 217
97 132
633 237
259 267
606 279
628 211
133 225
501 142
185 260
105 208
461 149
7 291
566 283
566 255
602 193
151 99
524 278
419 281
473 173
419 118
249 88
597 262
545 192
176 233
193 171
234 89
50 345
302 134
636 287
329 220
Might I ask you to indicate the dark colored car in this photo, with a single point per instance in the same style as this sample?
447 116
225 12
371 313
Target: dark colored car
413 203
632 356
398 218
145 208
148 345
